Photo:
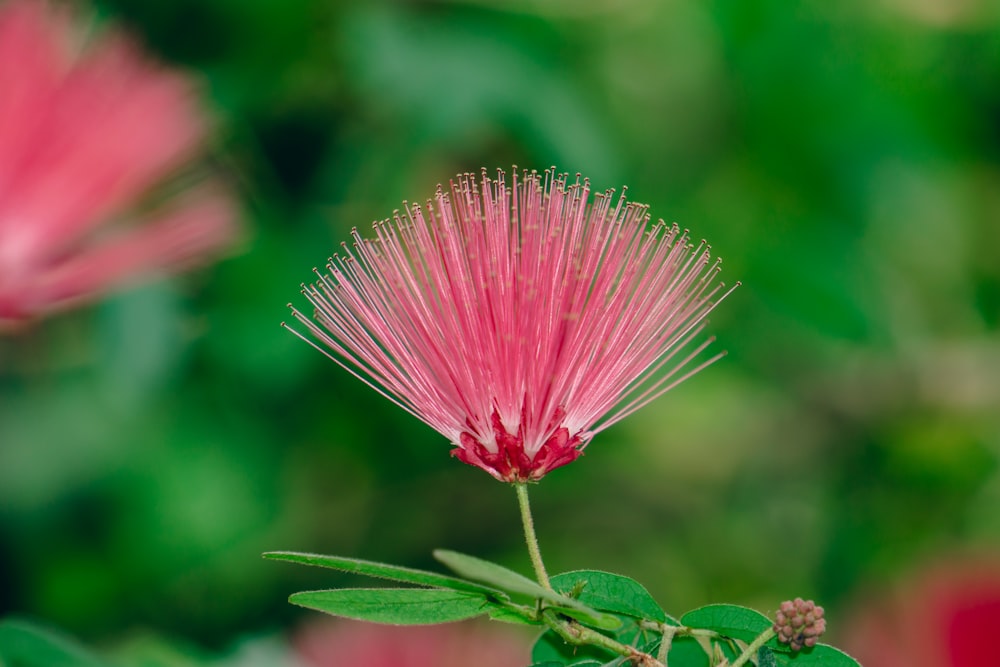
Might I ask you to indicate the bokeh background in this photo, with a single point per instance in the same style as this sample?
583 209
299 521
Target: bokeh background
844 160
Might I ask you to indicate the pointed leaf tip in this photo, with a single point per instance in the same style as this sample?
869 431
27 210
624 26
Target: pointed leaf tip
383 571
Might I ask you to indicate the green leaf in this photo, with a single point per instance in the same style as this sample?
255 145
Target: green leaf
506 615
687 652
550 648
513 582
381 571
587 616
395 606
633 634
606 591
729 620
492 573
821 655
765 657
25 644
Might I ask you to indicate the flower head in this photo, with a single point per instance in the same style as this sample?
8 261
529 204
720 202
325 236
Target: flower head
799 623
87 127
517 320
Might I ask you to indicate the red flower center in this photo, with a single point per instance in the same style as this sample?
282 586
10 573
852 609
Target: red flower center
511 463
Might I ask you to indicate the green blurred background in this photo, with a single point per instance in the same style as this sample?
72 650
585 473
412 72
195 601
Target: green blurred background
842 157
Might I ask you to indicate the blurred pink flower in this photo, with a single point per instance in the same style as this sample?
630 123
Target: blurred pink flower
88 126
349 643
512 320
946 615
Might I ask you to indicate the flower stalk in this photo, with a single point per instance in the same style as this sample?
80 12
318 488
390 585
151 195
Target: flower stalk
529 536
754 646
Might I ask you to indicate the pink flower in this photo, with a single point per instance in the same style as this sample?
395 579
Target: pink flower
517 321
87 127
943 616
349 643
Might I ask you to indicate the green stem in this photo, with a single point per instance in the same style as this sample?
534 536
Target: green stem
754 646
668 638
576 634
530 537
570 631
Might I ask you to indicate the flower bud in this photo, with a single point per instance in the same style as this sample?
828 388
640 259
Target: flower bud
799 623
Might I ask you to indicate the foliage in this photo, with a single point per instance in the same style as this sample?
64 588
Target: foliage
25 644
576 604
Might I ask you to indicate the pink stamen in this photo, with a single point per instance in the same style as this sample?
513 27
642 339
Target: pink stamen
520 320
